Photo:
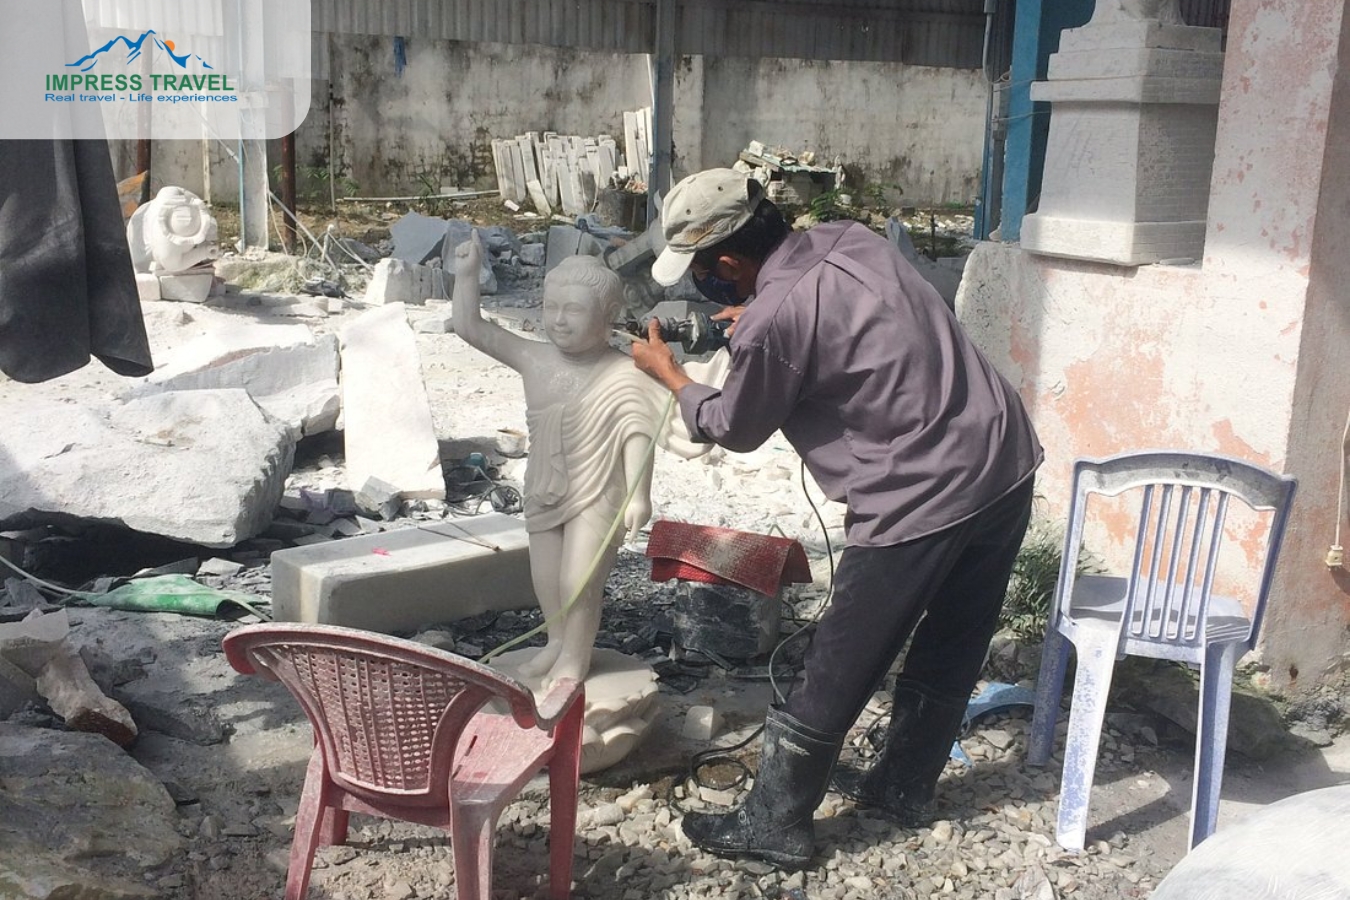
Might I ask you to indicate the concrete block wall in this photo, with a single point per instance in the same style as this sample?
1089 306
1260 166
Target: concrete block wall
432 121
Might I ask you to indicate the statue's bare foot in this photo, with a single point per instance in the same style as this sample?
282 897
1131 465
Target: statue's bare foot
567 668
542 662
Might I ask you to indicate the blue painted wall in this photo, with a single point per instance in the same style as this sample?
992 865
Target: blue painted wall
1035 37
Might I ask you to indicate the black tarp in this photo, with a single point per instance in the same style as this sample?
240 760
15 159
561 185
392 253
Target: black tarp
67 288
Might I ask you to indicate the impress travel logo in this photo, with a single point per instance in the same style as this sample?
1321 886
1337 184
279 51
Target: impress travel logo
85 85
213 70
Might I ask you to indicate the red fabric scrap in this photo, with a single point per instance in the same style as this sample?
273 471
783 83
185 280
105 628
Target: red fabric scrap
713 555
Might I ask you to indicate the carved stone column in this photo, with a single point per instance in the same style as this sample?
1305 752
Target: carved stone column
1134 100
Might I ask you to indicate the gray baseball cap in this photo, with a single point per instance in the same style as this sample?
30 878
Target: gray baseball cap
700 212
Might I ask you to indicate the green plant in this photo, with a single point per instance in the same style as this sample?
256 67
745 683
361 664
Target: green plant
1035 575
1031 590
828 206
428 193
312 183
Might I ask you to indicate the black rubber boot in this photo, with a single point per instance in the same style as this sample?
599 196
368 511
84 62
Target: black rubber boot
903 778
774 824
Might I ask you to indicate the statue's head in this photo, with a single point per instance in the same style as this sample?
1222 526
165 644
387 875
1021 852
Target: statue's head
582 299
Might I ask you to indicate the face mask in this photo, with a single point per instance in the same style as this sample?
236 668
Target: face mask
718 290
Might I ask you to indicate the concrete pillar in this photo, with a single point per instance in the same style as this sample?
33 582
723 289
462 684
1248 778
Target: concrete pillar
1279 226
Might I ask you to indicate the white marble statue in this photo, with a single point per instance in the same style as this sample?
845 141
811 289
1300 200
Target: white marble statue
592 418
172 233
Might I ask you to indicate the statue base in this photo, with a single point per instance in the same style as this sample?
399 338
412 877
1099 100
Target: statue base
192 286
621 703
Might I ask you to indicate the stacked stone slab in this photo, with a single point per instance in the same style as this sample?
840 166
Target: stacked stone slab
1134 111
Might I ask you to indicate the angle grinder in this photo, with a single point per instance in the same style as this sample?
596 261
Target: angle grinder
698 333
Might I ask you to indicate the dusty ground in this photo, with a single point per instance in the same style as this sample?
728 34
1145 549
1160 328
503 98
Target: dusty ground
237 797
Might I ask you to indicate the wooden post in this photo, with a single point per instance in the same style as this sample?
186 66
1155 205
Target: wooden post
288 222
143 160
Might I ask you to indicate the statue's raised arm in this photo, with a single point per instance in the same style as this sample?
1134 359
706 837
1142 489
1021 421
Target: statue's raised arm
492 339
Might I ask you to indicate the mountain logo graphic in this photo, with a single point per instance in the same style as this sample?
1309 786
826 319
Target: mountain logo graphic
134 48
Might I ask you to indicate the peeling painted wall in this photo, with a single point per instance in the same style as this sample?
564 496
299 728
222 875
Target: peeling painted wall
430 113
1244 354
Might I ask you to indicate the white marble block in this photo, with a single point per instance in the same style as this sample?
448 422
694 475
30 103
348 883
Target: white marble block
1134 110
389 433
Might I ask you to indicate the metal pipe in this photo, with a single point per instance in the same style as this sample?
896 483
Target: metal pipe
288 220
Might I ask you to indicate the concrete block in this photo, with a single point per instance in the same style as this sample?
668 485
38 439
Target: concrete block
407 579
417 238
389 433
147 286
188 288
701 723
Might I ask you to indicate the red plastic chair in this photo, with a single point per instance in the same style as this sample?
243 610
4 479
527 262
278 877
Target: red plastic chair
400 732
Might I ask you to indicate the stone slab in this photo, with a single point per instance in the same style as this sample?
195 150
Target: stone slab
1129 62
1141 33
407 579
287 369
187 288
457 232
388 429
1123 243
391 282
1136 89
568 240
417 238
75 798
147 286
206 467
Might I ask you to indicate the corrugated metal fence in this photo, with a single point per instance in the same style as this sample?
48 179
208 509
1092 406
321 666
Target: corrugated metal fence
918 32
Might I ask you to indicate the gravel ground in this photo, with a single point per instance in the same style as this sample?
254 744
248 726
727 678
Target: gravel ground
994 837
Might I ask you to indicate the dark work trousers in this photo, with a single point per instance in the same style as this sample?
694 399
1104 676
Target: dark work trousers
951 584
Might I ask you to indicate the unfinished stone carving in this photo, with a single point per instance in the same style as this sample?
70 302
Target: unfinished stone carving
592 418
173 238
1135 98
172 233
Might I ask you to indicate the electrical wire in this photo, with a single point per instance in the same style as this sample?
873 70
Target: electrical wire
722 755
1340 493
33 579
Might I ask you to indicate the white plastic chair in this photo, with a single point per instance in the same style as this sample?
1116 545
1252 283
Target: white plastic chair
1163 607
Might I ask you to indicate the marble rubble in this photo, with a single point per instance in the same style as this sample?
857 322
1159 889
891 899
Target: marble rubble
290 371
